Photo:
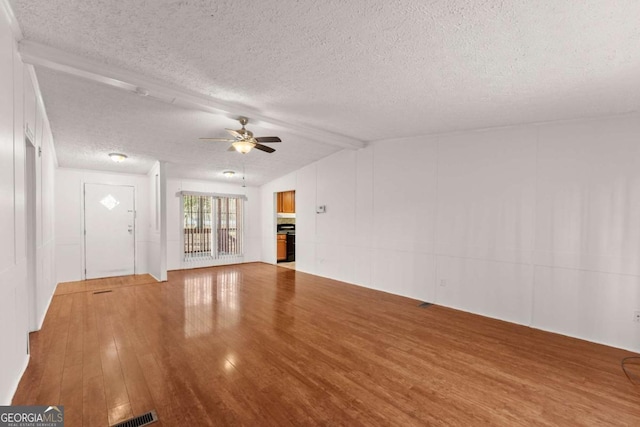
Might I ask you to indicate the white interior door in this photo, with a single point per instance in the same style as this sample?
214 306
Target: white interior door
109 220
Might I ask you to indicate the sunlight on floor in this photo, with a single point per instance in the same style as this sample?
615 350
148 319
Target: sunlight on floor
291 265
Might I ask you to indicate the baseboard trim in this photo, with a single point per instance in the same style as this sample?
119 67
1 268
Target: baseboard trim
14 389
40 321
157 280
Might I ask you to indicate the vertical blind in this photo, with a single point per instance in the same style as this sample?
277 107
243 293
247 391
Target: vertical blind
212 226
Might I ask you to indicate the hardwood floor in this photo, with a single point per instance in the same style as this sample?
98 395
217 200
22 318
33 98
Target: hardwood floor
255 344
291 265
95 285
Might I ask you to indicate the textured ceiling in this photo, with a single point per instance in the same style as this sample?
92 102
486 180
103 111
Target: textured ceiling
367 69
89 120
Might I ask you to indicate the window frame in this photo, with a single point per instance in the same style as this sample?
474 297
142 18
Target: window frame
214 253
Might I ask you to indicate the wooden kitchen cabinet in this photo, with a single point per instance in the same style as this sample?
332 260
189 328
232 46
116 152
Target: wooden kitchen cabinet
282 247
279 202
289 202
286 202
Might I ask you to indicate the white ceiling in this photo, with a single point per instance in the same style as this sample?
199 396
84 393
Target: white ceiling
90 120
365 69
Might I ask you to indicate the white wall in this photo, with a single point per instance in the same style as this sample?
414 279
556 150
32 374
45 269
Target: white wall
21 106
70 219
536 225
174 221
157 245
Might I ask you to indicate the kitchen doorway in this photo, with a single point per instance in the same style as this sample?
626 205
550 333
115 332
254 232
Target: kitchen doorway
286 229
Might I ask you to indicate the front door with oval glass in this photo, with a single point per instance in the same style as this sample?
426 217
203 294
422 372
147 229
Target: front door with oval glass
109 219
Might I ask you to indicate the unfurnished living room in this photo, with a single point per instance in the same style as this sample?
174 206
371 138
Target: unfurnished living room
281 212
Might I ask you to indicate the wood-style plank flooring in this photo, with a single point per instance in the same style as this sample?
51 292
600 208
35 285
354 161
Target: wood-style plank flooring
257 344
96 285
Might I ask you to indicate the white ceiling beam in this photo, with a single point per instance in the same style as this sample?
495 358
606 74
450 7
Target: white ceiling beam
45 56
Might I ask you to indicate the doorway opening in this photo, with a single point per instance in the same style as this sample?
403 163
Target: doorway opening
286 229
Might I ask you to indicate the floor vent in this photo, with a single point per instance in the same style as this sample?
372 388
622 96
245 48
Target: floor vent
140 420
102 292
425 305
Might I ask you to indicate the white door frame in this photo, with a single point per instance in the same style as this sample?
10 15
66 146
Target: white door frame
31 232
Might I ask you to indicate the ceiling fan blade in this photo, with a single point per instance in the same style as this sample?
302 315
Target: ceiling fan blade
218 139
268 139
264 148
235 133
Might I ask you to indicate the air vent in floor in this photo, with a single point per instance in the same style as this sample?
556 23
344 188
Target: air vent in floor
139 421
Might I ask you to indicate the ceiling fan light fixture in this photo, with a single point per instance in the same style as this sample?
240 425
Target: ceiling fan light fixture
243 140
243 146
228 174
117 157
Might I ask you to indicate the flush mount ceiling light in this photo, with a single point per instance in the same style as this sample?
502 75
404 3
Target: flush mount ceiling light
117 157
228 174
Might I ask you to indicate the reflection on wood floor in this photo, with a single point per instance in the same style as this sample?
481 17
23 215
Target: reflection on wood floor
291 265
95 285
256 344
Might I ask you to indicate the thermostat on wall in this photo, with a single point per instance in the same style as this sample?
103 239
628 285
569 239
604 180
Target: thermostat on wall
321 209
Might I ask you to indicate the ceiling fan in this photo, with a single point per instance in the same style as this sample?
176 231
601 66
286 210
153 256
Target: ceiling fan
243 140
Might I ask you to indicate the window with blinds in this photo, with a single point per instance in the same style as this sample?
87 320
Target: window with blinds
212 226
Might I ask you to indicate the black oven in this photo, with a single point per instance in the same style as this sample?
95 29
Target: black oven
290 229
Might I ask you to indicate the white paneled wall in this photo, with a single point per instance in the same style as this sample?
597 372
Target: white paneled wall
7 245
335 247
486 195
13 328
22 306
69 202
537 225
589 197
404 211
156 232
497 289
589 305
305 217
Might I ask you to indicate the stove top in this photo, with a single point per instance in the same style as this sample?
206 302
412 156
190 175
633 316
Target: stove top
287 228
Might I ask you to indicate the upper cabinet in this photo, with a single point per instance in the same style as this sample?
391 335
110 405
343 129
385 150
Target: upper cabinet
289 202
286 202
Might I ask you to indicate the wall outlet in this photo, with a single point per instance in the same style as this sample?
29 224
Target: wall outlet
443 282
636 316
